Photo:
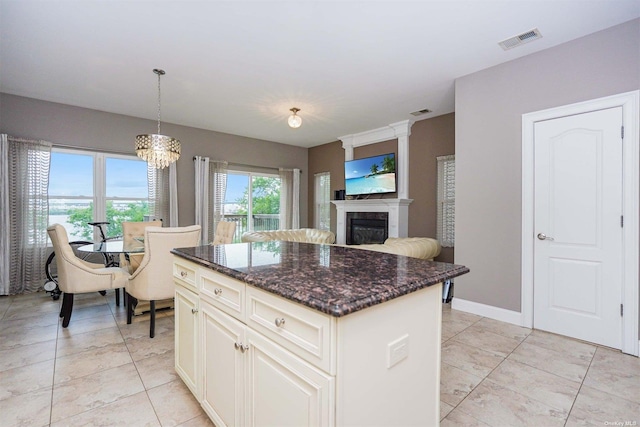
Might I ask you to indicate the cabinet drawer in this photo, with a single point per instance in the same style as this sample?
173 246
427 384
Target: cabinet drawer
223 292
303 331
186 273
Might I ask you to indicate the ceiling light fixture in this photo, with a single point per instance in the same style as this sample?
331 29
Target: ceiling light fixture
156 149
294 120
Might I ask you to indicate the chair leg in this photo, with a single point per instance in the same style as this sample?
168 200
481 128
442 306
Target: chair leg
131 304
67 307
152 329
117 297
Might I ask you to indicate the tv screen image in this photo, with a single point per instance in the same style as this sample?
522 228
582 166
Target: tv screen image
371 175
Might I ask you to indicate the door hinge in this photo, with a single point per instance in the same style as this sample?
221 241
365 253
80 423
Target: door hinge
621 309
622 132
621 221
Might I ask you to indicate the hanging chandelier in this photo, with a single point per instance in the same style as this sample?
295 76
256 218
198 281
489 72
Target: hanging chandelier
156 149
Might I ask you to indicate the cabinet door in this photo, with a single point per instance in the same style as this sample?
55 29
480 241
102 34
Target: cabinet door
186 338
223 367
284 390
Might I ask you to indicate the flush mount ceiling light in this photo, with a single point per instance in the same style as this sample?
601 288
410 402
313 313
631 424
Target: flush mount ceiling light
294 120
156 149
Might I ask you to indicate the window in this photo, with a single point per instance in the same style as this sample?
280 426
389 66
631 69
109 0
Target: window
322 194
90 186
252 201
446 226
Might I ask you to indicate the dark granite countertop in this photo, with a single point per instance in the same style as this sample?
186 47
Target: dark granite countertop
332 279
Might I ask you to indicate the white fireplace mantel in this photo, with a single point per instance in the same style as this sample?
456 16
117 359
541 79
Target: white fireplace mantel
398 210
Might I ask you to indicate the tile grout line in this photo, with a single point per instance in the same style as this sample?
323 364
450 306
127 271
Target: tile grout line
580 388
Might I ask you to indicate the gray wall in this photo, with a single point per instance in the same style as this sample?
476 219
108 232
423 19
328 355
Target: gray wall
84 128
489 108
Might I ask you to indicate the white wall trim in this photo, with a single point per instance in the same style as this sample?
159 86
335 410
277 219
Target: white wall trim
630 103
495 313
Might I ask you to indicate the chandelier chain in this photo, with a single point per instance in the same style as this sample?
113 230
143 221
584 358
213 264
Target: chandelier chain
159 74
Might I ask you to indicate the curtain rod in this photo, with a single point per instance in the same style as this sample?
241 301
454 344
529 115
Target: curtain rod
244 164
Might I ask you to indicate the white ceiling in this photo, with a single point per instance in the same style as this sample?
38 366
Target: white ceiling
238 67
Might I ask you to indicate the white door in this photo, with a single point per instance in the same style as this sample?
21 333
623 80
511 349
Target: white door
578 245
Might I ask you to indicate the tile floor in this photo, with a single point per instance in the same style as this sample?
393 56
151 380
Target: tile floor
101 371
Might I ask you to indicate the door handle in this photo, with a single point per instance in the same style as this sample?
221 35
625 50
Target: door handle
543 236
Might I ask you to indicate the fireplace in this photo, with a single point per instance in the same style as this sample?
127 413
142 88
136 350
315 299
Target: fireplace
367 227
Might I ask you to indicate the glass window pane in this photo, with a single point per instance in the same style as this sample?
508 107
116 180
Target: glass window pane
73 215
71 175
236 203
126 178
119 211
265 202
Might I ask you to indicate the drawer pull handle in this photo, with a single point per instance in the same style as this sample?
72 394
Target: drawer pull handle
217 291
183 274
194 310
280 322
240 346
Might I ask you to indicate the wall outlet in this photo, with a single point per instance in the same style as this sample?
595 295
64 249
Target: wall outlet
397 350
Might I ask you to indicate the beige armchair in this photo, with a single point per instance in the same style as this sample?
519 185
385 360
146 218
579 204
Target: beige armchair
153 280
131 231
224 233
77 276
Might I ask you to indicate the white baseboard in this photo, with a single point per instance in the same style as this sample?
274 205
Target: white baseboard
495 313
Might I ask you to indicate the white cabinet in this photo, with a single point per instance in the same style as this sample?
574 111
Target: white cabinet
186 338
253 358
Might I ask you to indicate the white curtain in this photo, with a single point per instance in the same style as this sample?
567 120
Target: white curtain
211 186
163 194
289 199
202 196
24 213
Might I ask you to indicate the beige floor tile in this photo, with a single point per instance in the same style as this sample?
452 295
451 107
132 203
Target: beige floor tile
596 408
562 344
445 408
89 362
456 384
90 311
27 355
488 341
13 339
450 314
157 370
81 326
88 340
499 406
505 329
141 348
567 365
27 410
26 379
135 410
93 391
470 359
139 328
459 419
174 403
615 373
199 421
17 311
536 384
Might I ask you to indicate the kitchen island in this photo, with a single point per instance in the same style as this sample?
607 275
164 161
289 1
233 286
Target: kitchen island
282 333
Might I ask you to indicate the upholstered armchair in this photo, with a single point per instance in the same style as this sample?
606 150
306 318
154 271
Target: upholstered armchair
224 233
131 231
77 276
153 280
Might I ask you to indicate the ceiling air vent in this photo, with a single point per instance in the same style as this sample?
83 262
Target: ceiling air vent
421 112
520 39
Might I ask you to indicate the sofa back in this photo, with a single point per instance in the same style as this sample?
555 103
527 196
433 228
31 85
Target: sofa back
305 235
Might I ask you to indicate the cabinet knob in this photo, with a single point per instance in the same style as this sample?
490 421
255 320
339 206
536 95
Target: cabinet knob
280 322
244 348
217 291
183 274
237 345
194 310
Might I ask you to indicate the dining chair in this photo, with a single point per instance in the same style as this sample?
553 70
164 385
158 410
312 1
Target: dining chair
153 280
77 276
132 233
224 233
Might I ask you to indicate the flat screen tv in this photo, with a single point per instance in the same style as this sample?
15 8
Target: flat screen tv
371 175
